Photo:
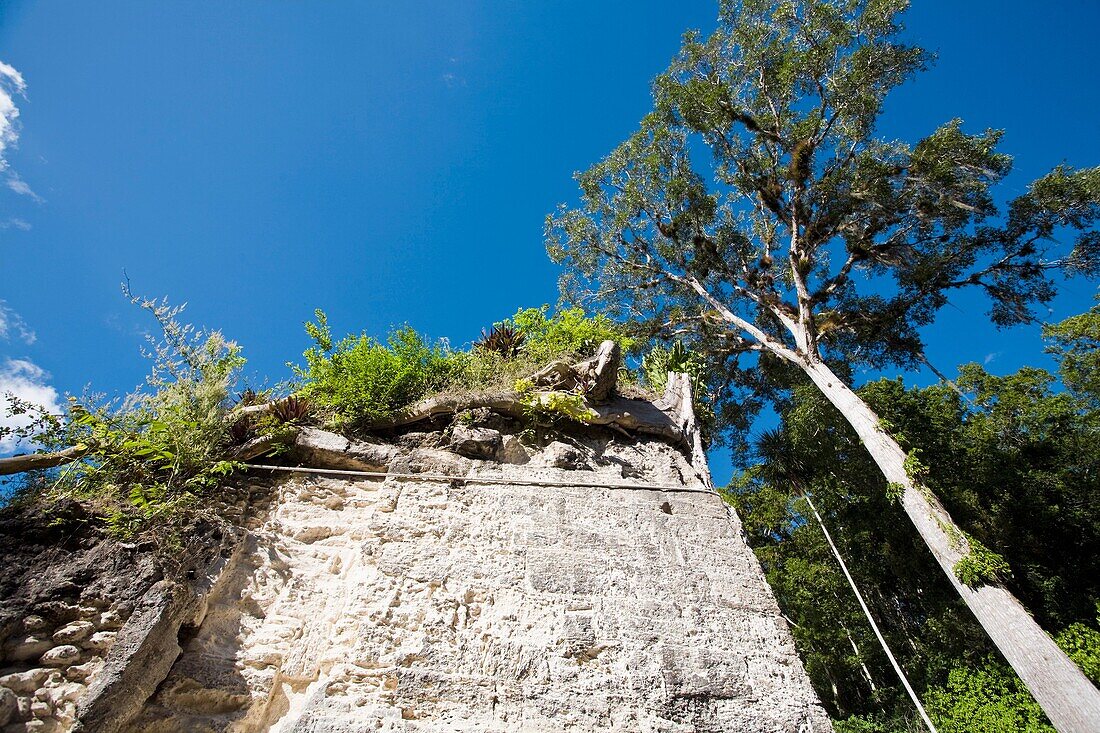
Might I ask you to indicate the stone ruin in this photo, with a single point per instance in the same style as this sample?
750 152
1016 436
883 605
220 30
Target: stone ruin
465 573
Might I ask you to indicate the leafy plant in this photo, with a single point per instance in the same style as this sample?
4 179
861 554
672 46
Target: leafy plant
550 407
503 339
568 332
981 565
160 450
292 409
361 379
1081 642
989 697
240 430
660 361
655 369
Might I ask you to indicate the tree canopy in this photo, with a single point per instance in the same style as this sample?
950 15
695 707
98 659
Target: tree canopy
1015 462
757 209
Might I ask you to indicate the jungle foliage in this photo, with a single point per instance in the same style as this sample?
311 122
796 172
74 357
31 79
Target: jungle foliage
359 379
163 452
1016 462
155 453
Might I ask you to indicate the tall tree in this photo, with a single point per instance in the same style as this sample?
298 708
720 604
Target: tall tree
755 211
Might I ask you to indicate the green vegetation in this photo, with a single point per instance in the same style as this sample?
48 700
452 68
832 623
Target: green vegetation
549 408
164 451
162 448
1015 462
569 332
359 380
362 379
981 565
660 361
758 215
989 697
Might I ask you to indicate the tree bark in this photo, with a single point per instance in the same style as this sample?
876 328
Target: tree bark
1068 698
35 461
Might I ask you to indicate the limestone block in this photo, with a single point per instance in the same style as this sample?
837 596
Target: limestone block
25 682
61 656
475 442
9 706
100 640
462 607
74 632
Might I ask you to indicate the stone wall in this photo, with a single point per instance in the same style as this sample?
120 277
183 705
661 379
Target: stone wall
347 603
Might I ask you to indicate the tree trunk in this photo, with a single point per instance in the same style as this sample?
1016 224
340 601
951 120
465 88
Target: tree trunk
37 461
1068 698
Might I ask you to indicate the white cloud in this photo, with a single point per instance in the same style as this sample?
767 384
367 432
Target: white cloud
21 187
16 223
12 86
28 382
991 357
12 324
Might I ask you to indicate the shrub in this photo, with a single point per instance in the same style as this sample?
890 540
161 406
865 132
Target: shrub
567 332
1082 643
990 697
363 380
161 449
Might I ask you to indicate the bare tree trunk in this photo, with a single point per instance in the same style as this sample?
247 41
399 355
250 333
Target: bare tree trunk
1068 698
37 461
859 658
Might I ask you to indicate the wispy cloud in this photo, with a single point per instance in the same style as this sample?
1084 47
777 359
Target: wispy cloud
13 325
12 87
452 78
991 357
21 187
15 223
27 382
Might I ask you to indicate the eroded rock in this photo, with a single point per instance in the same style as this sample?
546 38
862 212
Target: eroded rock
61 656
475 442
73 633
461 598
9 706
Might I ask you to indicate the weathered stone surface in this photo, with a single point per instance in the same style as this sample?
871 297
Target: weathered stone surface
443 605
145 648
24 682
61 656
73 633
463 606
9 706
100 640
317 447
561 455
475 442
34 623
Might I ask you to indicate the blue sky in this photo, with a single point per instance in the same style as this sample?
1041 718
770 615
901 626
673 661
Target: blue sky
394 162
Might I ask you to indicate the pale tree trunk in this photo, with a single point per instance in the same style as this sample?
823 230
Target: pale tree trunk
859 658
1068 698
